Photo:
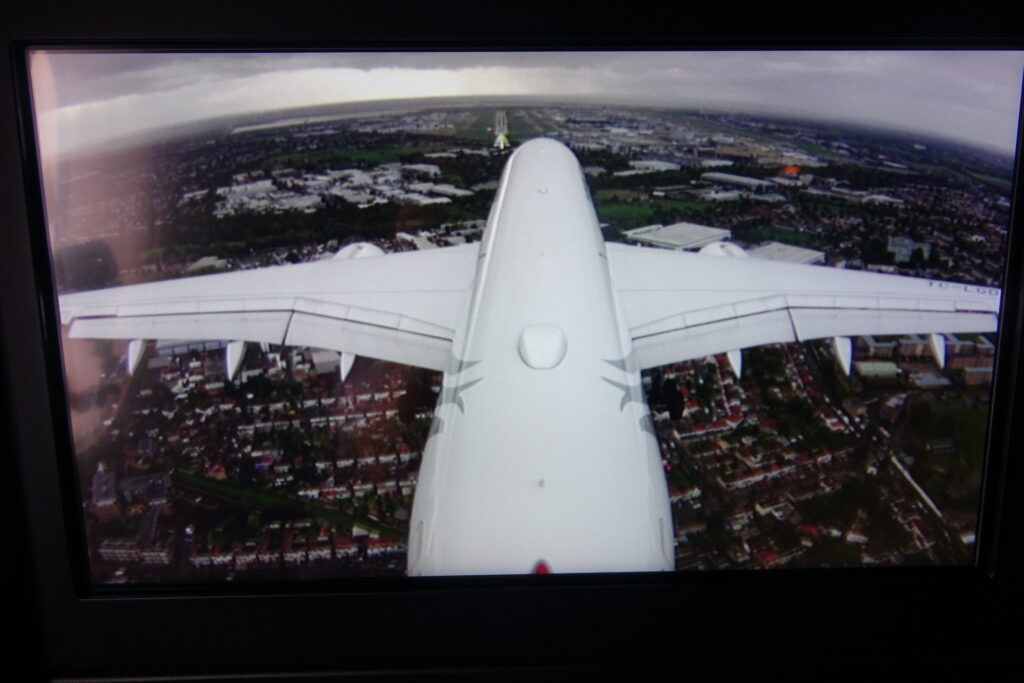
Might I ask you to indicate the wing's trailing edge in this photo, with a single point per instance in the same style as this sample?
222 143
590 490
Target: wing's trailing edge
681 306
404 307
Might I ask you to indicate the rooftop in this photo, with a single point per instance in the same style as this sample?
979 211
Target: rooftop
732 179
776 251
678 235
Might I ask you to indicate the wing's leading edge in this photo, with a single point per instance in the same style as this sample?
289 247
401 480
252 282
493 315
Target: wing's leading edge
403 307
679 306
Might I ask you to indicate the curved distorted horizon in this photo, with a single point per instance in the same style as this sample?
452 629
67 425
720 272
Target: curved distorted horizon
968 96
329 315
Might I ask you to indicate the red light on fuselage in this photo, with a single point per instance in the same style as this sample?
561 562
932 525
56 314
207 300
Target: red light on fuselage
542 568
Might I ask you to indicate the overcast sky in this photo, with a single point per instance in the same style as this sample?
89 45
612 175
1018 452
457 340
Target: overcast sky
83 99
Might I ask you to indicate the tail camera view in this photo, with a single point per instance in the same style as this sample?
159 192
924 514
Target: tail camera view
332 315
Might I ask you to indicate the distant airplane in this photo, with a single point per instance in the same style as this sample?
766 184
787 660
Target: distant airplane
542 456
501 130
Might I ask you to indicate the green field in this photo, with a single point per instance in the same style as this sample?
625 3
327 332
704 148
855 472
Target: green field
688 205
613 195
625 215
522 127
818 150
1001 184
942 170
478 128
628 209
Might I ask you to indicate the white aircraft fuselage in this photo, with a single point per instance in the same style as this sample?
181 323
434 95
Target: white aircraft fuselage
542 449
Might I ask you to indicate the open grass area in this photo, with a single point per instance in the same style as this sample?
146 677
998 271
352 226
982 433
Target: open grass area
688 205
478 127
525 127
818 150
936 169
625 215
613 195
1001 184
627 208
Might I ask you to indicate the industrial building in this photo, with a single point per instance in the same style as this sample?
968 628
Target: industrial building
787 253
749 184
913 345
677 235
877 369
902 248
877 347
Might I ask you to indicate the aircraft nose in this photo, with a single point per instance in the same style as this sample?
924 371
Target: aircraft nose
546 147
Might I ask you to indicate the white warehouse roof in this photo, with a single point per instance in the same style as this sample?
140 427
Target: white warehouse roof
678 235
776 251
738 180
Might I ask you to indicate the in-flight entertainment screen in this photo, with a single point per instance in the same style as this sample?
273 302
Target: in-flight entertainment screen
329 315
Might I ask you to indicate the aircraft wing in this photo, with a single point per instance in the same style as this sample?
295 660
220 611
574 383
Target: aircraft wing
680 306
403 307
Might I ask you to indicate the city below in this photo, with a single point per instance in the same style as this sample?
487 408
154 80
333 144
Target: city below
283 464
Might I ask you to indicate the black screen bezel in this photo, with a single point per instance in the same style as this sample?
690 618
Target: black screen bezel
952 614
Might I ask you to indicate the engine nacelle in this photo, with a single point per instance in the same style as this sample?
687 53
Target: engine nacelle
724 249
355 250
733 251
358 250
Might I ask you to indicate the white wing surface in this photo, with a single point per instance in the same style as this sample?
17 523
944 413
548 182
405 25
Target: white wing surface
403 307
681 305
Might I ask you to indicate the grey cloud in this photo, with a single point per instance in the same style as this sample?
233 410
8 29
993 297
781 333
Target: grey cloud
90 77
928 91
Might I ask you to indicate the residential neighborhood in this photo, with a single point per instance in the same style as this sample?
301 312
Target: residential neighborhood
288 469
